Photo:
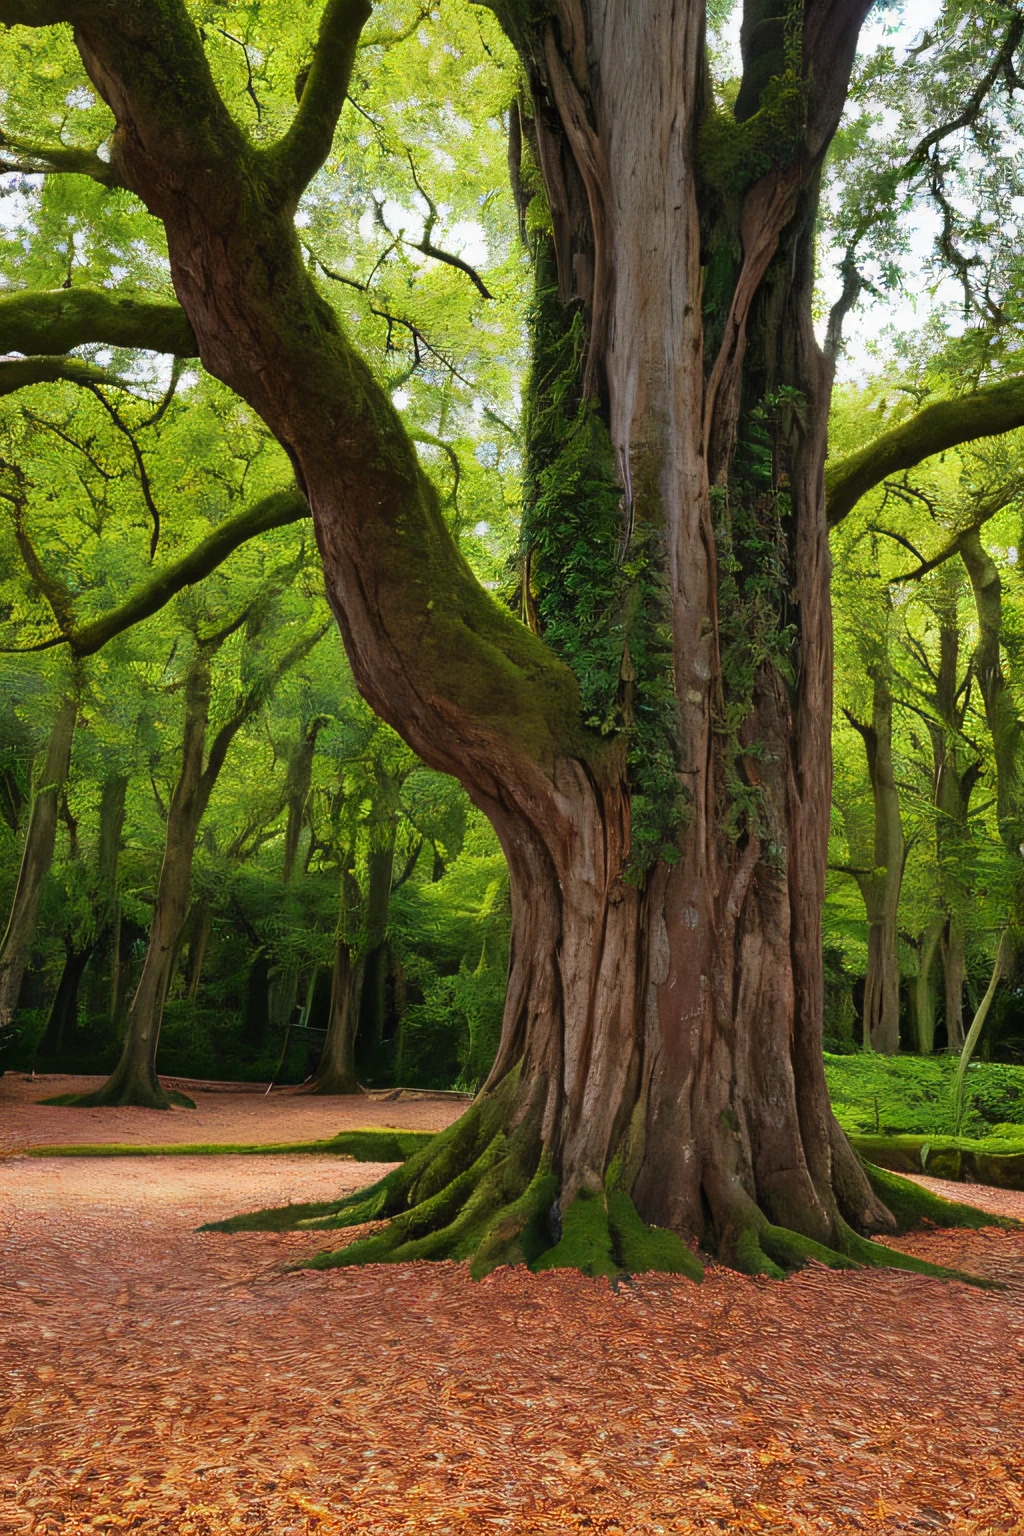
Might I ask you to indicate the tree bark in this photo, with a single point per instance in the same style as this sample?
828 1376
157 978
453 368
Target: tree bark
60 1037
956 773
134 1080
36 859
373 1002
336 1072
661 1054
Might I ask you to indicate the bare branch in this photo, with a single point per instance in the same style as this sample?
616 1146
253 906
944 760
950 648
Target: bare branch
140 464
427 246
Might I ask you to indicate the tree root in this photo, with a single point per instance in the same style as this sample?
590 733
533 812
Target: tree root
166 1098
485 1192
915 1207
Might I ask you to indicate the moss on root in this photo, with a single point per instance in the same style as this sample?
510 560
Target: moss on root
915 1207
484 1191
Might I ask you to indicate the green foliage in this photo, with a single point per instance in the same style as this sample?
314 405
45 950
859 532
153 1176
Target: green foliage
733 155
891 1095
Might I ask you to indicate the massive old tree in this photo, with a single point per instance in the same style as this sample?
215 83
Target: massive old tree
651 737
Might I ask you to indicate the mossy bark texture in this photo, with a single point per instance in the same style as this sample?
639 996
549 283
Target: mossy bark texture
660 1071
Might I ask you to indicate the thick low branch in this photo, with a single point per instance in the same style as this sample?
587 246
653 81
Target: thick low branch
57 319
19 372
274 511
991 411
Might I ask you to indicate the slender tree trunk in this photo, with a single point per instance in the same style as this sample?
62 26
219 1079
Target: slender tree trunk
1005 728
300 777
881 888
956 775
954 967
923 990
36 859
336 1072
373 1003
60 1038
199 922
105 965
134 1080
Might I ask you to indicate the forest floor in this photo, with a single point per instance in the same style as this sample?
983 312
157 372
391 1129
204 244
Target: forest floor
162 1380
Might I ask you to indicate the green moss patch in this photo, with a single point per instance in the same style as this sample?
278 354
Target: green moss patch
359 1146
640 1248
915 1207
586 1240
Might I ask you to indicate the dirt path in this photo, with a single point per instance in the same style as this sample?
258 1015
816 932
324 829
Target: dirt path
159 1380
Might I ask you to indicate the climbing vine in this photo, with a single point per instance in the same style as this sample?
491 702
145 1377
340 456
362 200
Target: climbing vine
598 587
753 521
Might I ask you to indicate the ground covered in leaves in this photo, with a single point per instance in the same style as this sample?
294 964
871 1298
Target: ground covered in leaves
161 1380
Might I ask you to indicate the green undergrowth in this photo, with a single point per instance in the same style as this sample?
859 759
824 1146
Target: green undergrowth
914 1095
384 1146
89 1100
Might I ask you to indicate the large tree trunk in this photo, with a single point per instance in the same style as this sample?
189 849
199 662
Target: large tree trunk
36 859
661 1053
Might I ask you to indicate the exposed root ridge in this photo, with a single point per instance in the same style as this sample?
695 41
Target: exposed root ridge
915 1207
164 1098
484 1194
